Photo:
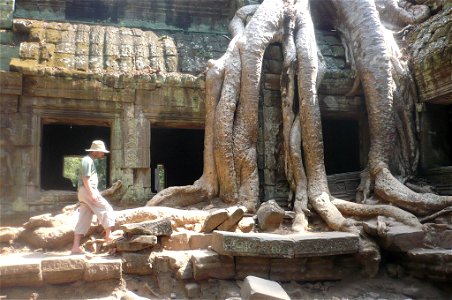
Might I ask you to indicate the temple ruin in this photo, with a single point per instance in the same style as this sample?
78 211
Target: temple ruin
133 74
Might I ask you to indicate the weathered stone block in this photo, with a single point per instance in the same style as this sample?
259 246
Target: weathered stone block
136 263
102 269
255 288
63 269
324 243
10 83
192 290
235 214
209 264
200 241
270 215
136 243
179 262
177 241
20 271
257 266
247 224
252 244
214 220
157 227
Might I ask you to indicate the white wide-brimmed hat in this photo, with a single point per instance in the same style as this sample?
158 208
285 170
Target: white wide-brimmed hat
98 146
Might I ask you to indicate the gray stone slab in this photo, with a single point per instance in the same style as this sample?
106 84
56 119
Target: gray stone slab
252 244
324 243
284 246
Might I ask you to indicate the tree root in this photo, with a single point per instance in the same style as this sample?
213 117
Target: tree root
391 190
364 210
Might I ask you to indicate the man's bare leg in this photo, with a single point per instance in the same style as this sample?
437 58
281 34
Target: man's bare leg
76 249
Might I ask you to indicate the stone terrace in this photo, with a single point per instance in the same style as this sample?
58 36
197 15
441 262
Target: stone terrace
235 256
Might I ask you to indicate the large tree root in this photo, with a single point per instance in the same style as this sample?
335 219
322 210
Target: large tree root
392 190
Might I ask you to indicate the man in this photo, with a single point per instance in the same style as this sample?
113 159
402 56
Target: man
91 201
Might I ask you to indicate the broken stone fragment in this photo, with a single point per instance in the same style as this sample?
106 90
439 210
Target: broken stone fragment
235 214
270 215
136 243
257 288
157 227
214 220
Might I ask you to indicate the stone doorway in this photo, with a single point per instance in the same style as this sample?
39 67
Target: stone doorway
341 145
60 141
180 151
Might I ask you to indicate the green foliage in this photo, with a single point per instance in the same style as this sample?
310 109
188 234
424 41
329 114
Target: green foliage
71 169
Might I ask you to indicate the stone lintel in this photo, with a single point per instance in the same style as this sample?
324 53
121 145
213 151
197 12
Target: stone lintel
284 246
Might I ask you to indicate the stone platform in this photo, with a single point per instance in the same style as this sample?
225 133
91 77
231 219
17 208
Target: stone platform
35 269
221 255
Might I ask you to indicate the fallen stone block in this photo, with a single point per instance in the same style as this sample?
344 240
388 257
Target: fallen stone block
17 270
214 220
136 243
235 214
246 224
255 288
270 215
100 268
159 227
136 263
62 269
209 264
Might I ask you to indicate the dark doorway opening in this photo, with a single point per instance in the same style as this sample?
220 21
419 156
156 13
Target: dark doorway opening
436 136
180 151
60 141
341 145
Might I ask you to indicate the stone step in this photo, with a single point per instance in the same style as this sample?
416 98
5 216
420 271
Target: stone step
35 269
308 244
